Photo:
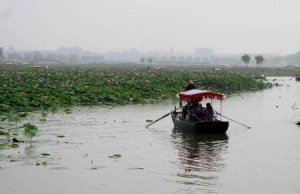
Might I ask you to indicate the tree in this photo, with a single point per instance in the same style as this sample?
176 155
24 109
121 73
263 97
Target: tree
259 59
37 56
197 59
50 57
14 56
98 58
173 58
28 56
150 60
189 59
1 53
164 58
73 57
246 59
181 59
85 58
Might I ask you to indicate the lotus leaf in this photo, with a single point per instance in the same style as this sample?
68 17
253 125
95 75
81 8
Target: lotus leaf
4 133
115 156
14 145
42 119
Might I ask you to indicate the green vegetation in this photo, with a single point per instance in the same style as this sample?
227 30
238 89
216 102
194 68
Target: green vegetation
259 60
4 133
271 71
30 130
25 89
246 59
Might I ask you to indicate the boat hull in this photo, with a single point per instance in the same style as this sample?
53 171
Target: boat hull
297 77
260 77
208 127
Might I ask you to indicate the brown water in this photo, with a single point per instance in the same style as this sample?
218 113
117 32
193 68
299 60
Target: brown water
262 159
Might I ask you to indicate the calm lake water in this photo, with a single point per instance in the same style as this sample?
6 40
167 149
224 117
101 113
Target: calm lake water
262 159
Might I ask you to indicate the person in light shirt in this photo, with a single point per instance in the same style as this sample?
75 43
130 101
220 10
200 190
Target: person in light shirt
210 112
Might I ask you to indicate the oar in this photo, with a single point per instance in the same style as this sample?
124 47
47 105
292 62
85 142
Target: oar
291 78
233 120
160 118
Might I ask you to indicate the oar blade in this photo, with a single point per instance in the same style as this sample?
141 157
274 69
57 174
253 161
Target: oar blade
162 117
158 119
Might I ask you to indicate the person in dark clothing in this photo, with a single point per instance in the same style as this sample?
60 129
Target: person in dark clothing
190 86
185 108
210 112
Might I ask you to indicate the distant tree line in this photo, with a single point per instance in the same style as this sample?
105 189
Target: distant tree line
38 56
259 59
201 55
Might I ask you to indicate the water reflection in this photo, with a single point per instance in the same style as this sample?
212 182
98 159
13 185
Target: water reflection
201 157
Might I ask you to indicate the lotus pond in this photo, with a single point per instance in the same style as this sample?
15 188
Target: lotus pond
25 89
107 149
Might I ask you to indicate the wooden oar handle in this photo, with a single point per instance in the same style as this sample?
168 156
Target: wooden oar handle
161 118
233 120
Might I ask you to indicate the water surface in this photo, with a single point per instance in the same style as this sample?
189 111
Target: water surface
262 159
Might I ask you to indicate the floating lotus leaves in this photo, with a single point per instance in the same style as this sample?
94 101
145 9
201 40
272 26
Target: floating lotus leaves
187 169
115 156
43 163
68 111
3 133
59 168
14 145
136 168
149 120
45 154
97 167
42 119
24 114
60 136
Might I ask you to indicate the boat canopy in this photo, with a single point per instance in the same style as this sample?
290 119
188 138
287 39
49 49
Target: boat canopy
195 95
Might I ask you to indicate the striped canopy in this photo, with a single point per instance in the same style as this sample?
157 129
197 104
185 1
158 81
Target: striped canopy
195 95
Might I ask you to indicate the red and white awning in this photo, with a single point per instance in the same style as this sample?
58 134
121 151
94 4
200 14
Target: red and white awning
195 95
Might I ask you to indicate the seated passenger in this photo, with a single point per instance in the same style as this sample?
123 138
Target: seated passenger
199 108
210 113
193 114
185 109
188 116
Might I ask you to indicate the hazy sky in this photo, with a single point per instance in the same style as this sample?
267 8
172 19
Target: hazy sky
227 26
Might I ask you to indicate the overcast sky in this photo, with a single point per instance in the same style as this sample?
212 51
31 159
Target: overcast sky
227 26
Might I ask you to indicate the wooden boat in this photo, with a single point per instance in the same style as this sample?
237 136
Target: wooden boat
261 77
36 67
210 127
297 76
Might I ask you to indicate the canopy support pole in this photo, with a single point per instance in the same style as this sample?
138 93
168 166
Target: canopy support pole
221 110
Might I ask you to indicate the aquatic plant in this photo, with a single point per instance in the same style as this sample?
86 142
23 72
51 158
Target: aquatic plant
14 117
30 130
24 90
115 156
4 133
